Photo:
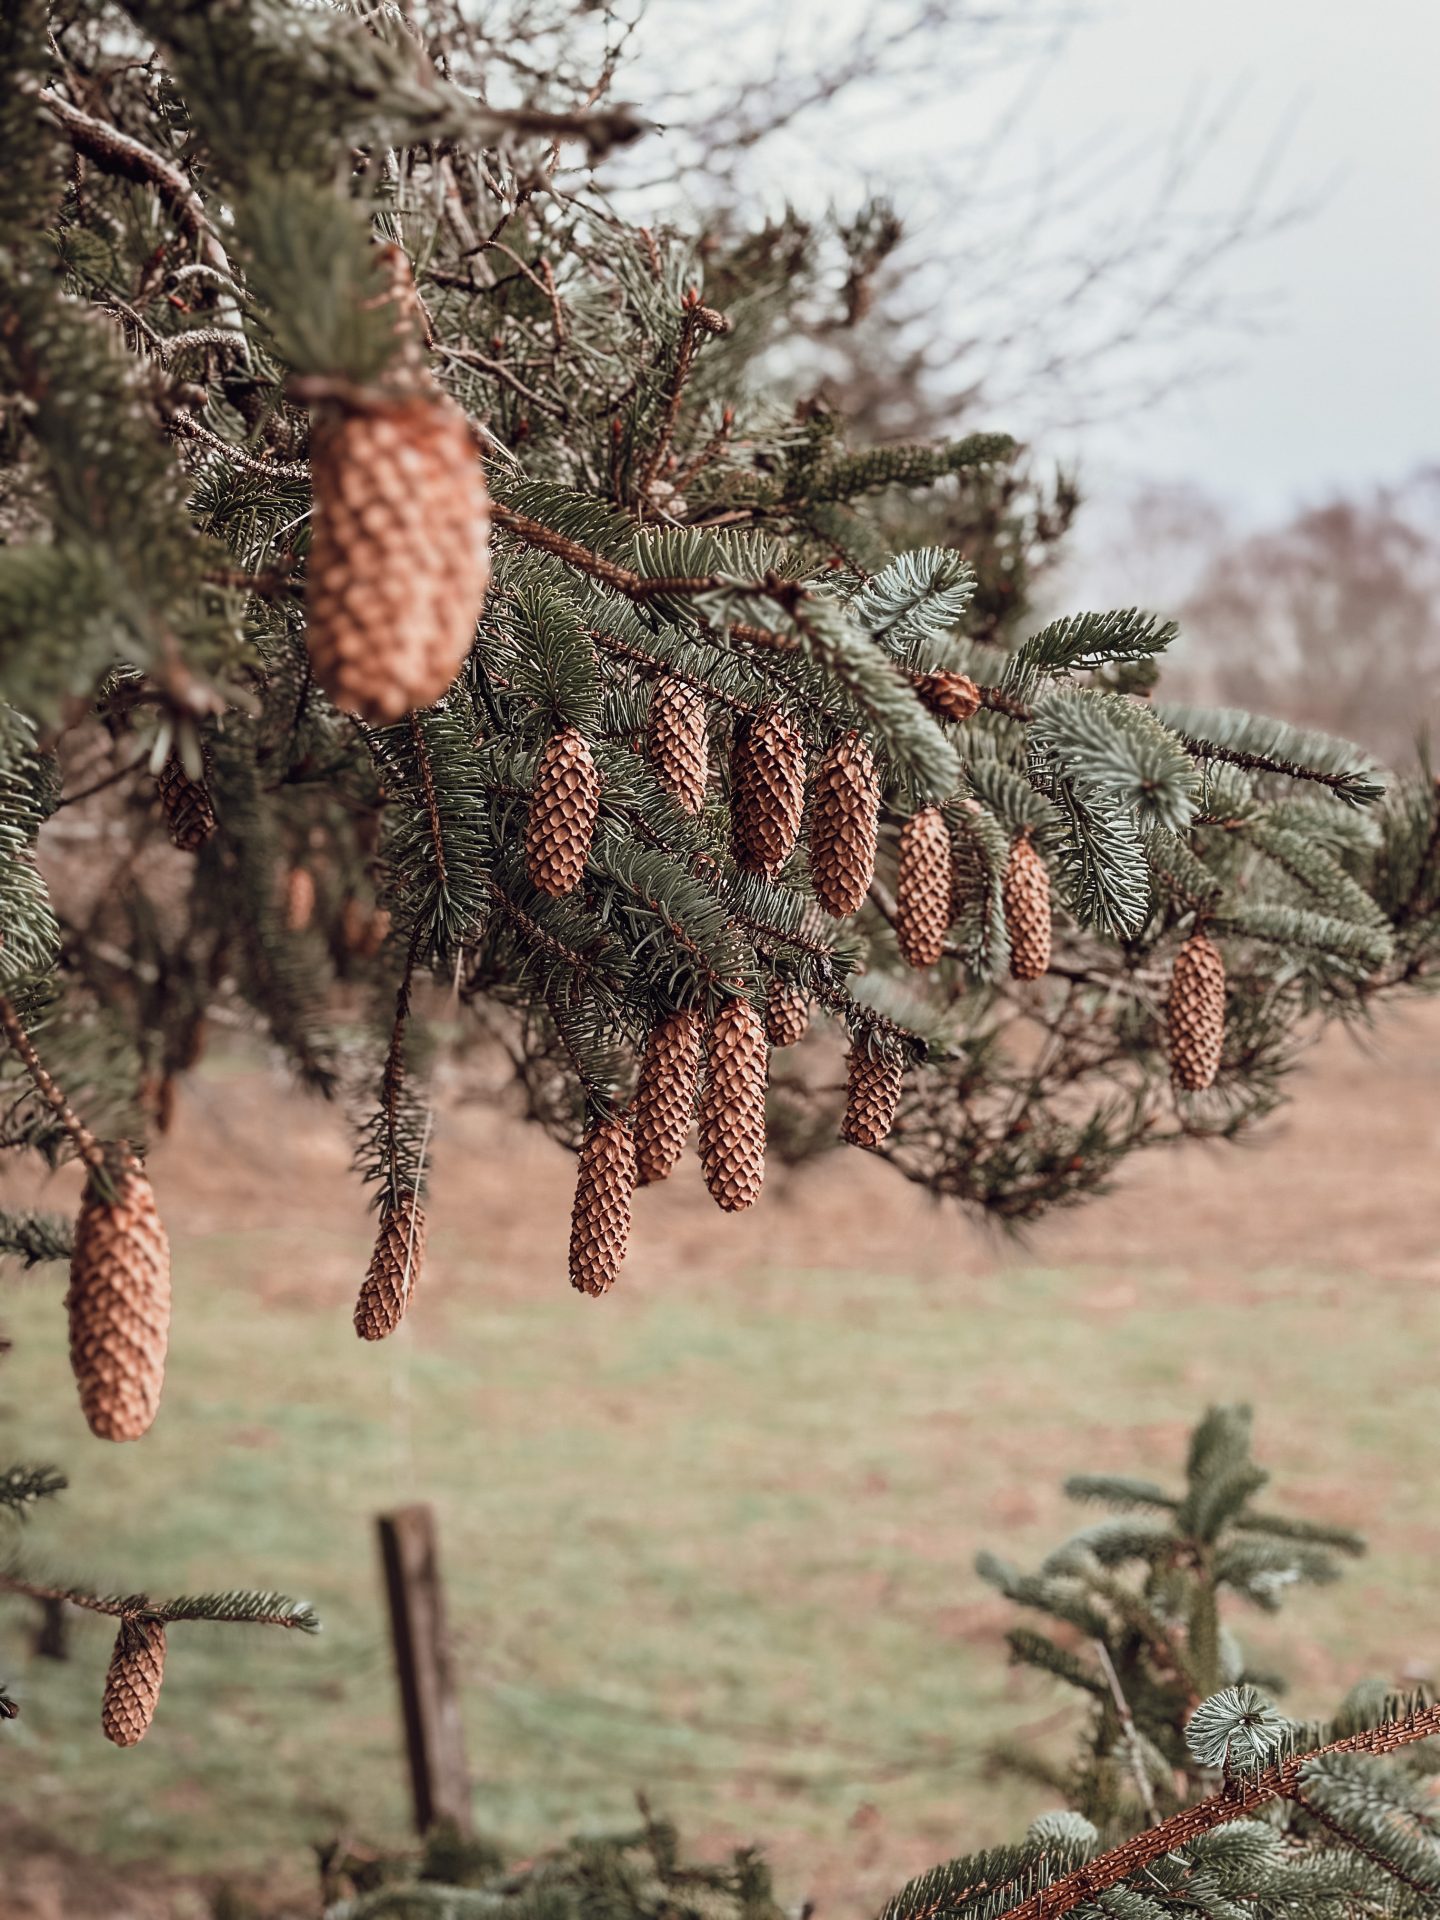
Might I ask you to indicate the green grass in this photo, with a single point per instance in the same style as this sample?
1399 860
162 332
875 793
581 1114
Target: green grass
713 1542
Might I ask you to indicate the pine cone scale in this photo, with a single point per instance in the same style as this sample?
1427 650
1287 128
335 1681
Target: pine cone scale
664 1103
600 1219
1195 1014
924 888
844 822
133 1681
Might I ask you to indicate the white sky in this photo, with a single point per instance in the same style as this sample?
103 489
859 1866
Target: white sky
1336 384
1342 385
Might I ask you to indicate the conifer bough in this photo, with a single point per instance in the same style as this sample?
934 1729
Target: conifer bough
545 738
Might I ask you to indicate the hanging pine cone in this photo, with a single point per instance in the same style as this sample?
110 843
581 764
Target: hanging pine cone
132 1683
600 1222
767 791
844 816
1196 1014
787 1013
299 899
563 806
1027 910
395 1268
732 1108
186 803
954 696
119 1303
871 1095
399 552
677 741
923 887
664 1103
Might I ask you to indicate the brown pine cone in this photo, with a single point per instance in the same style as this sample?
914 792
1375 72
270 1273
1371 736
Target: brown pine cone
563 807
186 802
664 1103
844 817
600 1222
923 888
119 1303
1027 910
299 899
399 552
767 791
1195 1014
132 1683
395 1269
787 1013
677 741
954 696
732 1108
871 1096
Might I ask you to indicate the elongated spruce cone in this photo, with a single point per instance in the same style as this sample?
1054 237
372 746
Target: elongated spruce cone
299 899
186 803
787 1013
600 1221
924 886
399 552
395 1268
732 1108
563 810
1196 1014
767 791
954 696
132 1683
119 1303
677 741
844 818
871 1096
1027 910
664 1103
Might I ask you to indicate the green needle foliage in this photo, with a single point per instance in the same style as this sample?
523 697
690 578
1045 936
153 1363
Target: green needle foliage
191 201
1191 1793
193 206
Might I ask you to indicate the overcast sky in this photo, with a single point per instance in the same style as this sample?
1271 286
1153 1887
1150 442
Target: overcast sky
1341 385
1330 372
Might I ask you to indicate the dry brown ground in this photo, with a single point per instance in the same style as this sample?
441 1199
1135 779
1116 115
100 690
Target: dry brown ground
1344 1180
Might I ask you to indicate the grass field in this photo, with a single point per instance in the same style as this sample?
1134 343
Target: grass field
714 1536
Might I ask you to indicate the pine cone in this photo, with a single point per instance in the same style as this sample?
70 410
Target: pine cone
664 1103
787 1013
923 888
844 815
767 791
119 1303
871 1096
1196 1014
954 696
188 812
677 741
132 1684
600 1222
563 807
395 1269
732 1108
1027 910
299 899
399 552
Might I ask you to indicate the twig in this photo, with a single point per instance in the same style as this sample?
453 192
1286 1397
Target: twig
86 1144
1237 1800
1132 1737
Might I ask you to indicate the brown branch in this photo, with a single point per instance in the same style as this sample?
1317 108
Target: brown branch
86 1144
432 800
698 320
1235 1801
119 154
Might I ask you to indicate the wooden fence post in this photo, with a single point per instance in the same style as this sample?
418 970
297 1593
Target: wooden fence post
434 1734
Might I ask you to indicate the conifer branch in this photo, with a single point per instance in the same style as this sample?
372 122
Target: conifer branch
1236 1800
86 1145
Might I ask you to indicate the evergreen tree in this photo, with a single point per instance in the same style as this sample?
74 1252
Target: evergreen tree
423 550
1191 1792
